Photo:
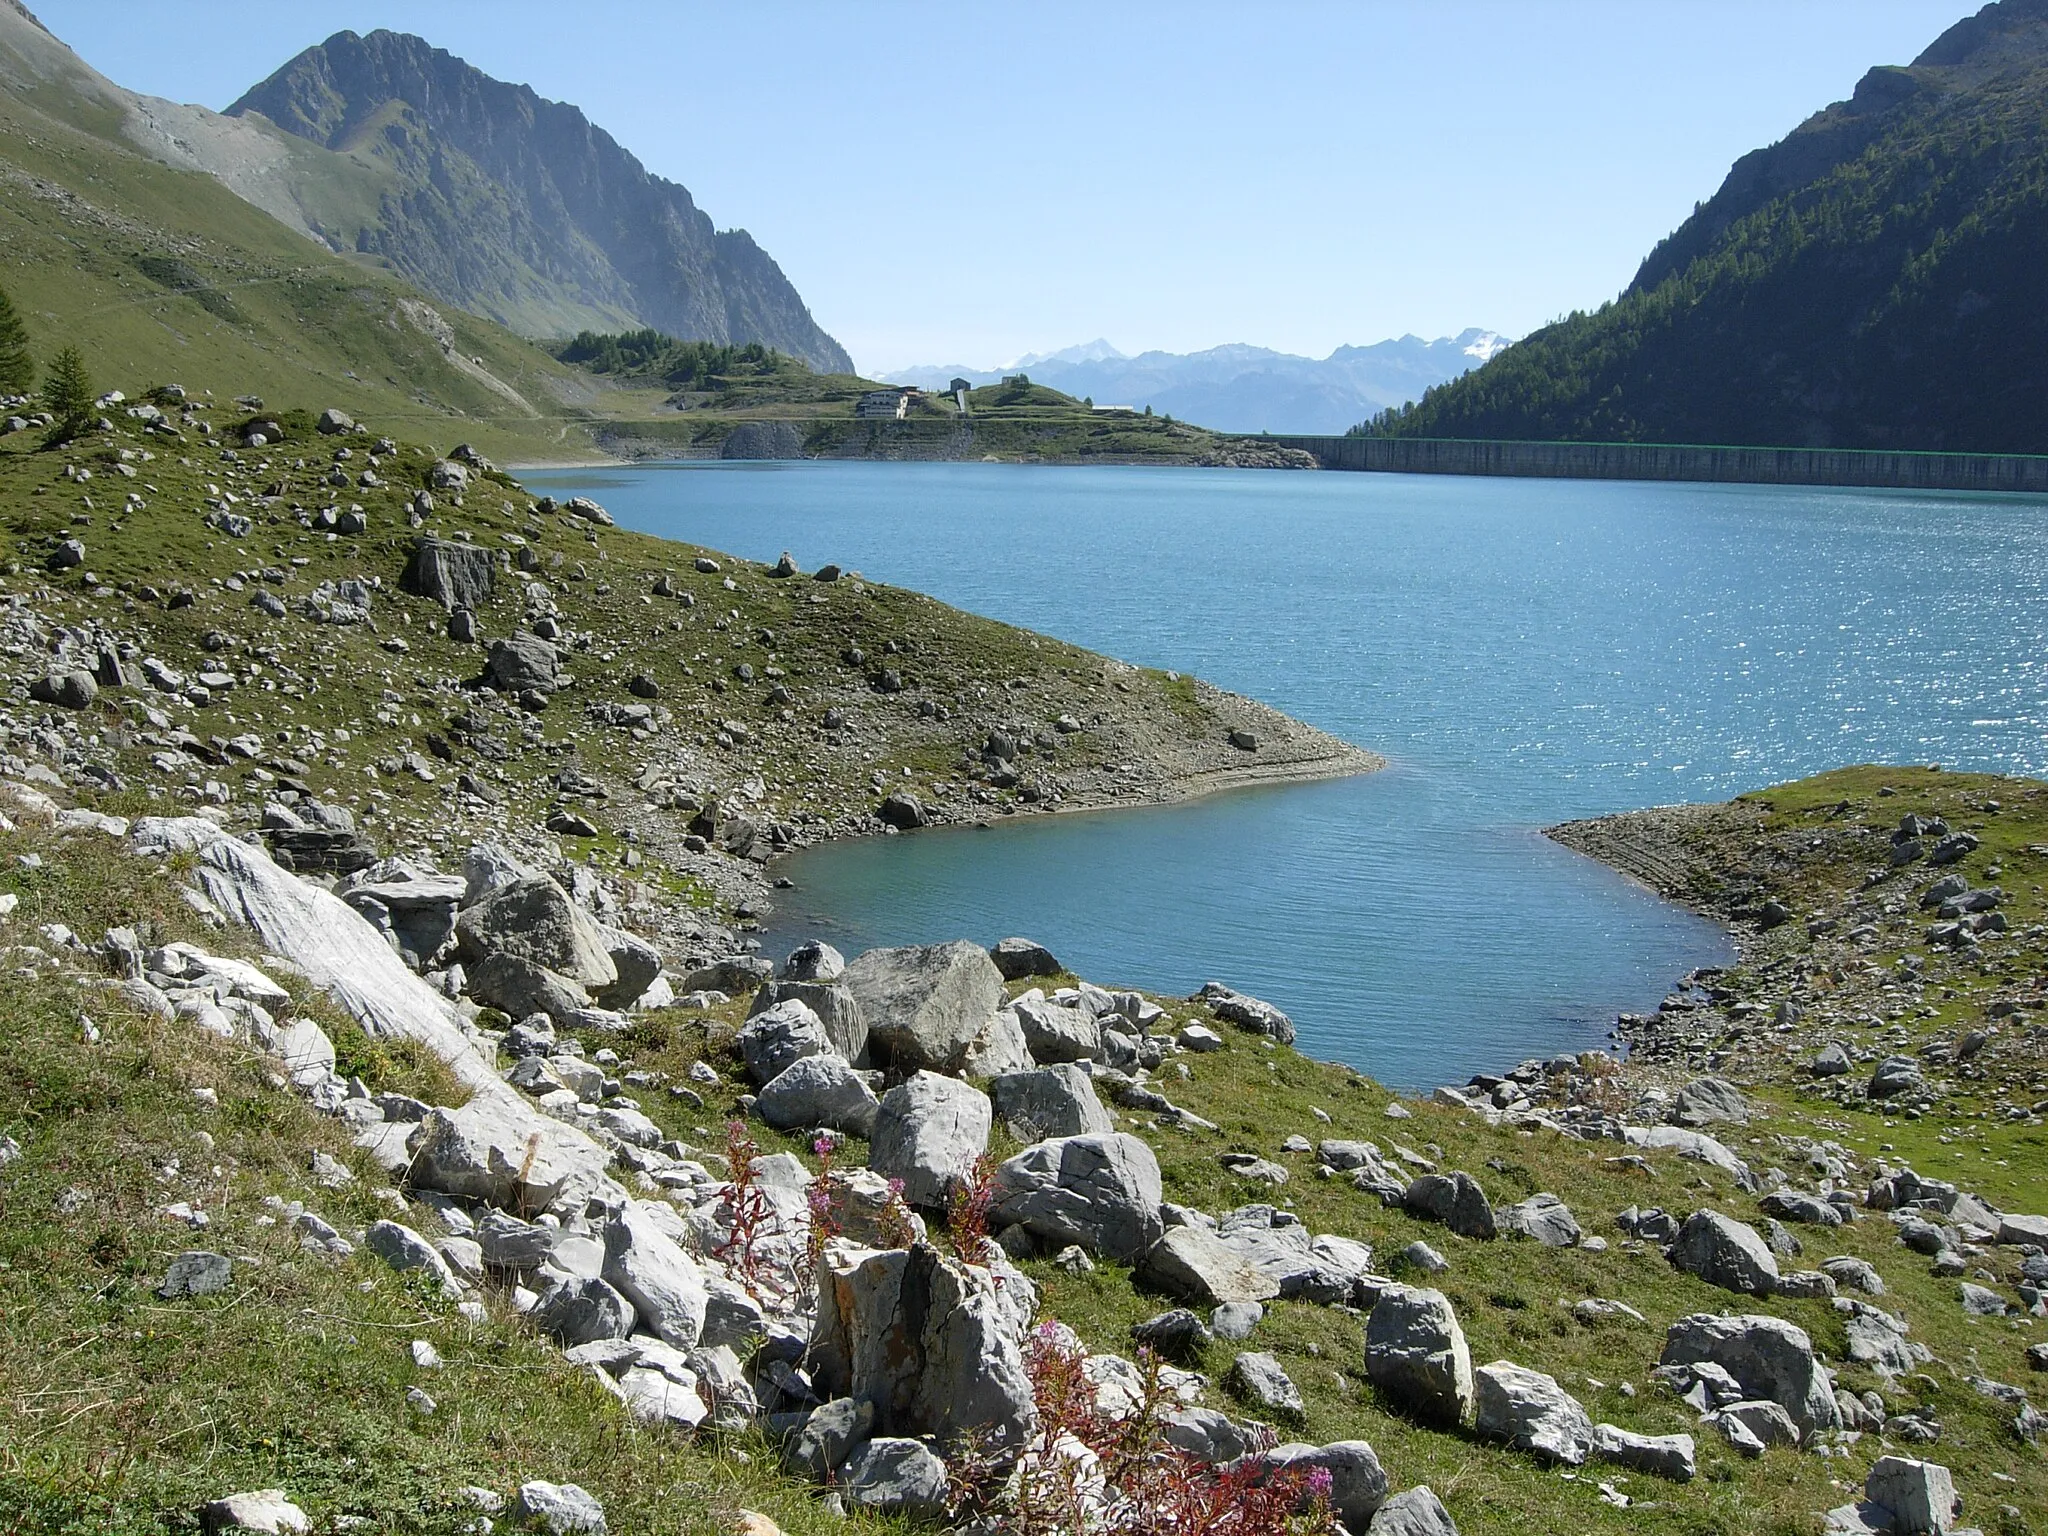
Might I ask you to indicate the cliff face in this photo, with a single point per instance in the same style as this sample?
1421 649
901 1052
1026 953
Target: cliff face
1872 280
521 208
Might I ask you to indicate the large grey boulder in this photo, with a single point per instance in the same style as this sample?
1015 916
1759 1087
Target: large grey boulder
1413 1512
933 1344
819 1091
403 1249
1100 1191
775 1039
1893 1076
1543 1218
925 1005
1358 1483
1019 958
452 573
928 1132
646 1266
522 661
1455 1199
999 1049
1709 1101
1917 1496
1667 1456
1416 1355
264 1510
896 1476
829 1435
560 1509
535 920
1531 1412
1258 1379
520 988
846 1026
1696 1145
1768 1357
1051 1101
1056 1032
1246 1012
816 961
583 1311
496 1150
1193 1264
1725 1252
637 962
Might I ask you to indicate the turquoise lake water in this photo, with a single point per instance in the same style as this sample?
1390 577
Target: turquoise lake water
1522 652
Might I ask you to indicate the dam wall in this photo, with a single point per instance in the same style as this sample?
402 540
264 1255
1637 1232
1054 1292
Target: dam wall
1666 461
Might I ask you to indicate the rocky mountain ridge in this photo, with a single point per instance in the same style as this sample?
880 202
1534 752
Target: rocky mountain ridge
520 208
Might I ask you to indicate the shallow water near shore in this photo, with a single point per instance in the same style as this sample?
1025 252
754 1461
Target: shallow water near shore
1522 651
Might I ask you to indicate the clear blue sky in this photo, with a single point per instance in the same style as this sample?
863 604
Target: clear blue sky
964 183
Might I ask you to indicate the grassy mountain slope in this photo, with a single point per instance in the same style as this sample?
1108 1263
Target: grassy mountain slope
161 275
1872 281
521 208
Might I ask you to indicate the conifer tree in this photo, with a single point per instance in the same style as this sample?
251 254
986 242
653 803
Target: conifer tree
17 367
68 395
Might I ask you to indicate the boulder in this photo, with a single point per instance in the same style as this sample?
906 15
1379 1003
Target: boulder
1753 1426
1416 1355
999 1049
260 1509
647 1267
1711 1100
1101 1191
403 1249
334 422
777 1038
895 1476
1543 1217
934 1345
521 661
1176 1335
1918 1496
1531 1412
820 1090
1054 1032
1455 1199
1019 958
925 1005
521 988
1832 1060
454 574
560 1509
2020 1231
816 961
846 1026
1697 1145
535 920
1797 1205
1358 1483
73 689
1667 1456
1246 1012
1894 1075
1193 1264
496 1150
1258 1379
1414 1512
583 1311
637 962
1768 1358
1051 1101
1725 1252
928 1132
829 1435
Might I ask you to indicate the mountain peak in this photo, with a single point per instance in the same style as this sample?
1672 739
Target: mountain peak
521 208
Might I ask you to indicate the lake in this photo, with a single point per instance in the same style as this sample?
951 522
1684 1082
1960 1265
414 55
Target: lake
1522 651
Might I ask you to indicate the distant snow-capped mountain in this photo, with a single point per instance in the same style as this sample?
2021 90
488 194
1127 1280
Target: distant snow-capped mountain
1240 388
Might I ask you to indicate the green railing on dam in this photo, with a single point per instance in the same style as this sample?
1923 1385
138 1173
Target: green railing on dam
1675 461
